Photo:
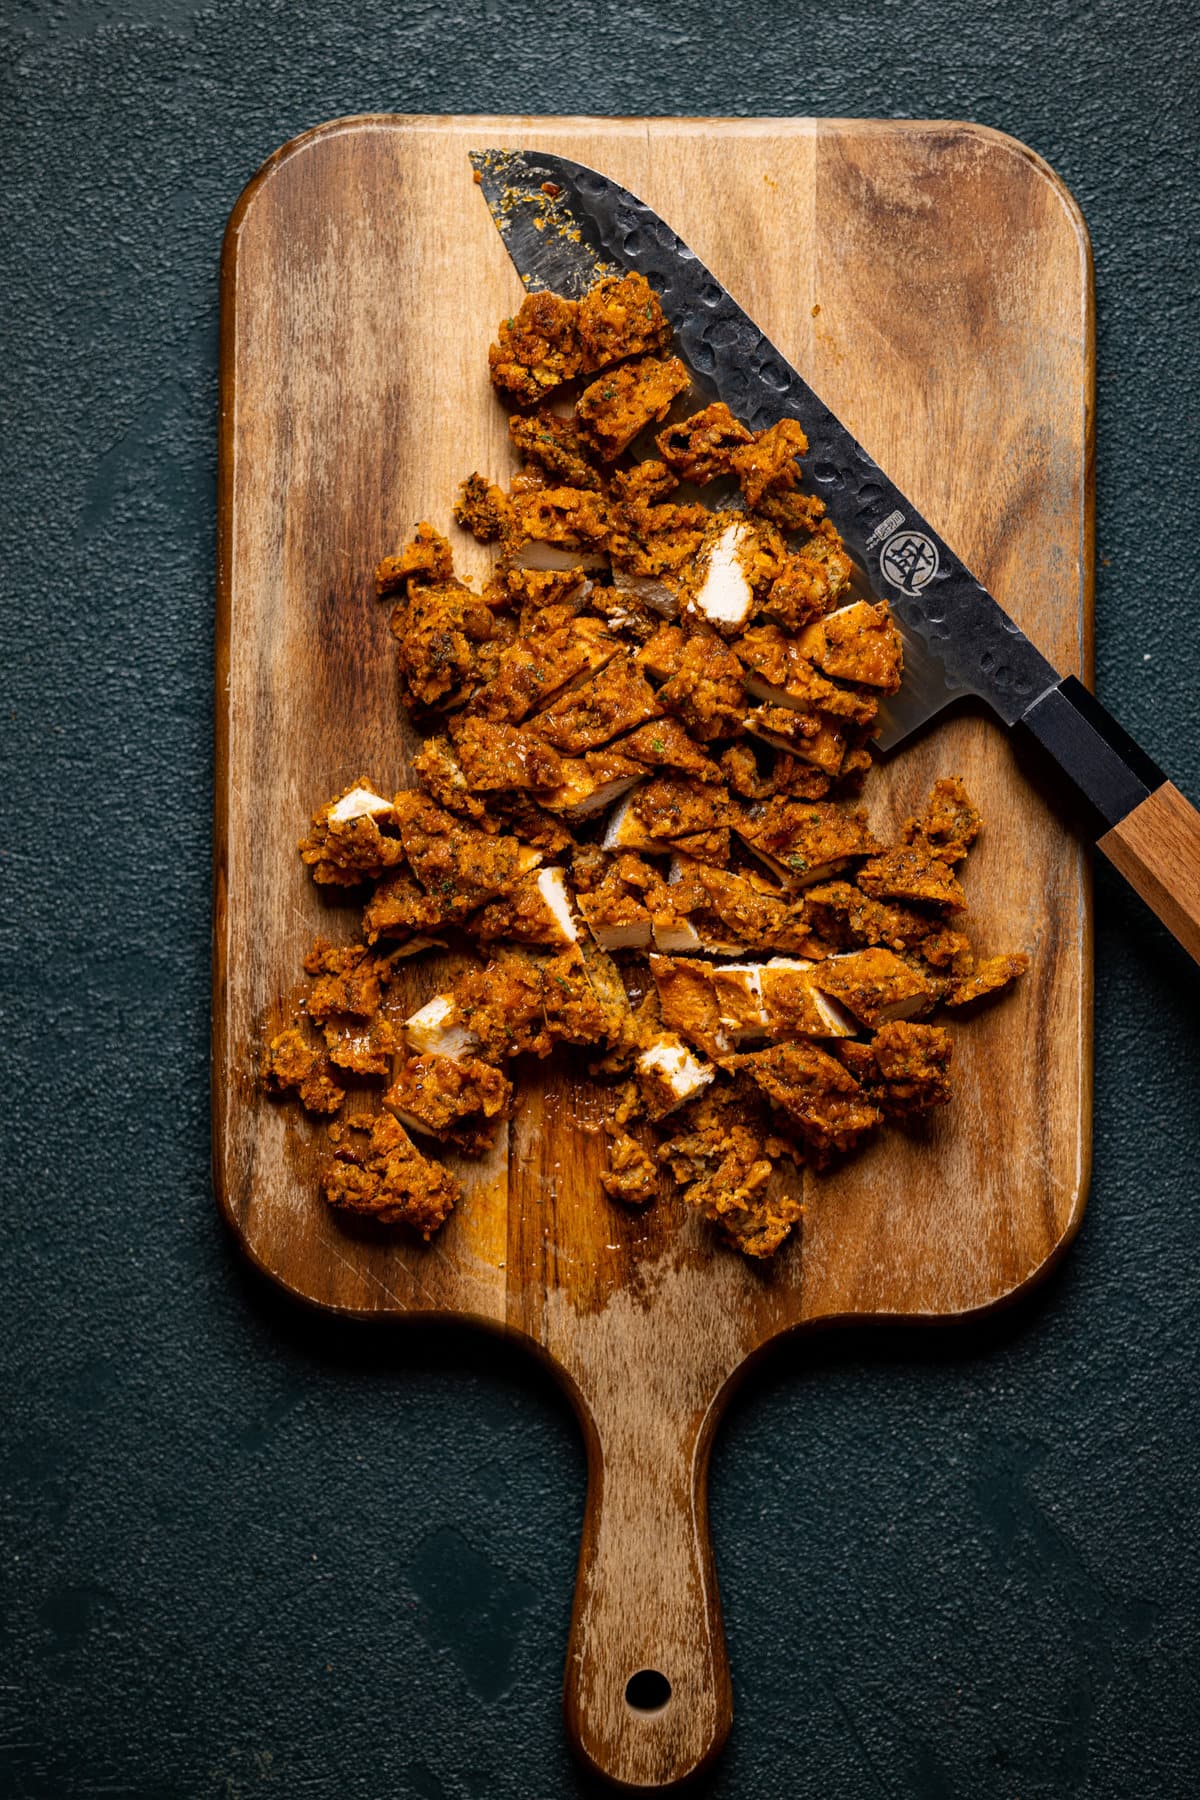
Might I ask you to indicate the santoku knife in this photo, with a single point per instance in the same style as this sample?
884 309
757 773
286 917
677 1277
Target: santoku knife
565 226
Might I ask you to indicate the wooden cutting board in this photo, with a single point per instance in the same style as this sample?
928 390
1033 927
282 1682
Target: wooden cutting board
933 282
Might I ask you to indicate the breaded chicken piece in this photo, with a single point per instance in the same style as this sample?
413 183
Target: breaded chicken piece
349 980
352 838
291 1063
575 1012
613 410
950 823
672 811
732 910
531 673
617 699
502 1008
656 541
810 582
537 349
459 1100
572 518
554 445
845 917
700 448
618 317
448 642
779 674
820 1097
440 775
496 757
482 508
401 910
452 860
706 689
857 643
361 1047
664 744
768 463
875 985
427 558
989 976
804 842
727 1162
905 1068
389 1180
687 1003
631 1175
811 737
535 910
912 874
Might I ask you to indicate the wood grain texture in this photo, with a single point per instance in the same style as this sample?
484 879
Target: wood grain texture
1157 849
933 282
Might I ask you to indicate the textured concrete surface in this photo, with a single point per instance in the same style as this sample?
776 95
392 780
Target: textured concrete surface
245 1552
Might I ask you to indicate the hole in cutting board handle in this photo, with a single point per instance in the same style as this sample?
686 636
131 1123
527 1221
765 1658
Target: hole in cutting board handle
648 1691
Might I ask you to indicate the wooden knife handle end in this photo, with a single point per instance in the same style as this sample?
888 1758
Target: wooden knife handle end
1156 847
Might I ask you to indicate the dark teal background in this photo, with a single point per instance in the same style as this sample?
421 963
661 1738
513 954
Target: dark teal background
248 1553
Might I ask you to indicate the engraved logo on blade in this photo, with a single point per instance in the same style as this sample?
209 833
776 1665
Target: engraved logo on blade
909 561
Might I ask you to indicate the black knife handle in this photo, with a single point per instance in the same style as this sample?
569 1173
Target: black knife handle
1145 826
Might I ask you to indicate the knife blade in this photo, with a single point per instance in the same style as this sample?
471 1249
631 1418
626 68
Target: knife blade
566 226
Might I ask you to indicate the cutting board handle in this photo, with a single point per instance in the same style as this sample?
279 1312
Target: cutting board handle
647 1694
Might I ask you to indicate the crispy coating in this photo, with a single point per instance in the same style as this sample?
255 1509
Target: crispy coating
989 976
530 673
672 808
482 508
554 445
726 1158
874 985
741 909
537 349
352 838
453 861
503 1005
913 874
810 737
289 1060
687 1004
617 699
519 916
810 582
443 631
497 758
907 1067
700 448
778 672
645 483
819 1097
660 540
620 317
950 823
459 1100
427 558
664 744
804 841
631 1176
361 1048
440 775
575 1013
846 917
400 909
389 1180
571 518
768 463
706 690
857 643
624 401
348 980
